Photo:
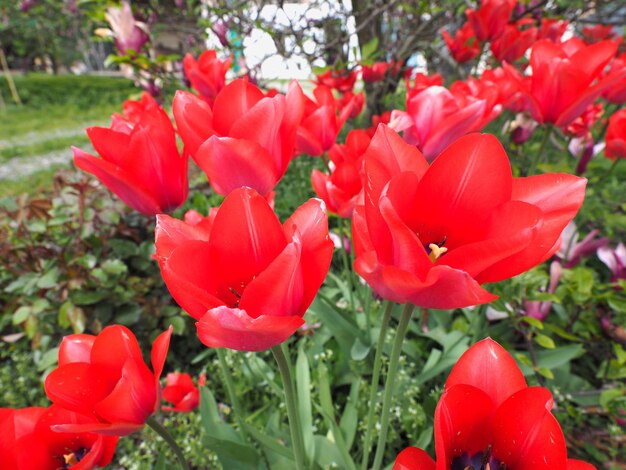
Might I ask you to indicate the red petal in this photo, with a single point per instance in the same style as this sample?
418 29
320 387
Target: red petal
107 429
76 348
232 328
525 434
190 278
232 163
194 119
111 145
134 397
232 103
79 386
462 422
487 366
113 347
471 178
158 355
413 458
246 237
170 233
124 185
309 224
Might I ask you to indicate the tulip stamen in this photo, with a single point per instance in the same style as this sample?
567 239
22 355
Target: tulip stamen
72 458
436 251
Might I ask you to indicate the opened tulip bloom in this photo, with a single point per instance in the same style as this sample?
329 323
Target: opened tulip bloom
246 278
246 139
430 235
181 392
29 443
616 136
490 20
463 46
488 418
207 75
341 80
106 378
139 160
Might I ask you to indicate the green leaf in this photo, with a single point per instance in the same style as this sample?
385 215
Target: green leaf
609 395
547 373
303 390
359 351
544 341
350 417
533 322
271 443
49 279
81 297
368 51
114 267
21 314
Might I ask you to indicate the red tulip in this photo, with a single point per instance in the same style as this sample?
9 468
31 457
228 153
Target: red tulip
421 82
616 136
514 41
246 278
181 392
357 101
321 123
341 189
106 378
208 74
488 417
247 139
552 29
617 93
490 20
377 71
383 118
563 76
340 80
464 46
436 116
430 235
28 443
139 158
600 32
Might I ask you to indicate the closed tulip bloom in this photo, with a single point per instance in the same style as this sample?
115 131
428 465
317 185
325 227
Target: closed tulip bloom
357 101
563 81
490 20
246 139
321 122
464 46
488 417
430 235
515 41
181 392
139 160
617 92
246 278
29 443
436 117
341 80
207 75
341 189
616 136
106 378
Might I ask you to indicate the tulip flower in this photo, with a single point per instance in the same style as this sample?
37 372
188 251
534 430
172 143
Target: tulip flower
377 119
129 34
563 75
616 135
615 260
357 101
247 139
490 20
341 189
515 41
28 443
208 74
246 278
139 161
617 93
430 235
106 378
553 29
464 46
435 117
181 392
340 80
377 71
599 32
488 417
321 122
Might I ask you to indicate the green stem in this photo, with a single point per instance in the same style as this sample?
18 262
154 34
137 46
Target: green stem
537 158
610 171
403 326
367 441
230 390
347 267
167 437
292 411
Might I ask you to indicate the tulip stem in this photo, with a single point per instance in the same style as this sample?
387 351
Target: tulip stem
230 390
534 161
167 437
347 266
613 165
292 409
367 442
403 327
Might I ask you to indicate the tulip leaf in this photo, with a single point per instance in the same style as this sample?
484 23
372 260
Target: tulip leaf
549 358
303 390
344 330
359 351
270 443
350 417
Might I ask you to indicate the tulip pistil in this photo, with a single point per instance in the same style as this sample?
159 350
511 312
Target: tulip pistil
478 461
436 251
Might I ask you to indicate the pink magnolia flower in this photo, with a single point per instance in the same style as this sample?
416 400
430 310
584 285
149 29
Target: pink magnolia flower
572 251
540 309
615 260
129 33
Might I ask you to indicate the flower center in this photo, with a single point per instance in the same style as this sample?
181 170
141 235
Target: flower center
436 250
478 461
72 458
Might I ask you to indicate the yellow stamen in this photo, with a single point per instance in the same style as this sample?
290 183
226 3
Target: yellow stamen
70 459
436 251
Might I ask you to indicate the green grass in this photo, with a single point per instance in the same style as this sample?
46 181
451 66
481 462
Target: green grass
40 148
